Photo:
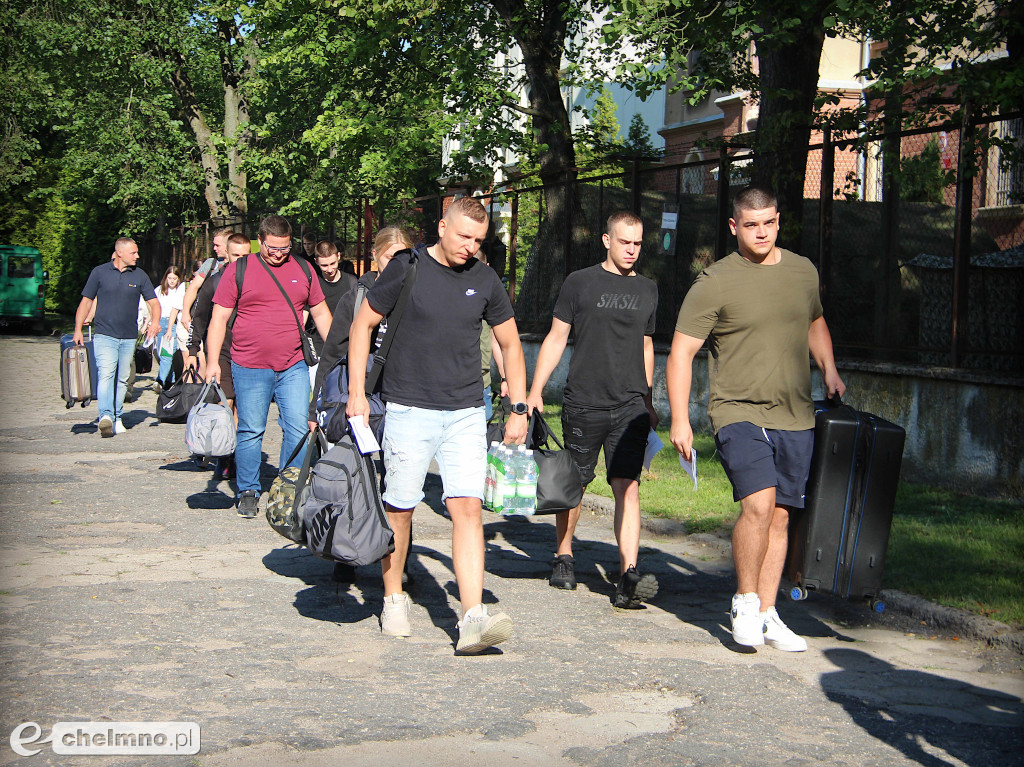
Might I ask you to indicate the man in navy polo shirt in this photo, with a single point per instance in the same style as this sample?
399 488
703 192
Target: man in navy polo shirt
117 285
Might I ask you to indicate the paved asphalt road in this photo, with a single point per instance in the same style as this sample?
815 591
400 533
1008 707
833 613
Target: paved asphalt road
130 591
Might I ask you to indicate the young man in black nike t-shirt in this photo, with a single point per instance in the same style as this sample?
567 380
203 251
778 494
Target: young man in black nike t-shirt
607 399
435 406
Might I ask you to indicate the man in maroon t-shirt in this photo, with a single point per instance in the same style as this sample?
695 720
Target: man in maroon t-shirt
266 349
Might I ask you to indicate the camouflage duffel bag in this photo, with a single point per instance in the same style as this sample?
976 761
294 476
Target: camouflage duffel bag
290 489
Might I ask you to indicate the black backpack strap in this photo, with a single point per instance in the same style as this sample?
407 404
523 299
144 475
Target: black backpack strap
240 265
304 265
381 355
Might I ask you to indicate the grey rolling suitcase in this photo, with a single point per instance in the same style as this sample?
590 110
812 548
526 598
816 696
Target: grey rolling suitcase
78 375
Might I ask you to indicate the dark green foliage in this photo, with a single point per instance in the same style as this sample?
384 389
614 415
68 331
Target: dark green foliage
922 178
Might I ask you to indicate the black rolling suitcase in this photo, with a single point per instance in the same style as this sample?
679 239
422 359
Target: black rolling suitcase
78 374
838 542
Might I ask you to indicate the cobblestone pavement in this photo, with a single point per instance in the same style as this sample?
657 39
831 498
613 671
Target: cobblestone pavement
131 591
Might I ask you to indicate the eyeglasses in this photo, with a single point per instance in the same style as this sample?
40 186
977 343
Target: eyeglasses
278 251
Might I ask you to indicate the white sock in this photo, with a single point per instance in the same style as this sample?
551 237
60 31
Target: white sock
475 612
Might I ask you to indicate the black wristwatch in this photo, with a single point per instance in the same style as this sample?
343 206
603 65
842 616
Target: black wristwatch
519 408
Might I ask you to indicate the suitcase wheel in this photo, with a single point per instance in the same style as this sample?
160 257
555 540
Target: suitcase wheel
798 593
878 605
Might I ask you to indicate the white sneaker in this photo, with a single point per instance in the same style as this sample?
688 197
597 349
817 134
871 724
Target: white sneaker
747 620
394 618
119 427
478 630
778 635
106 426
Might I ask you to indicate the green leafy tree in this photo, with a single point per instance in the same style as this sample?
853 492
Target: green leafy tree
638 140
922 178
599 141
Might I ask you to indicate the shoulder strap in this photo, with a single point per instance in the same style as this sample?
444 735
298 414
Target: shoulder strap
381 355
239 278
305 269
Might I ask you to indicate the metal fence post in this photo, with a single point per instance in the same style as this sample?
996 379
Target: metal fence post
512 240
962 238
828 169
887 294
568 200
635 182
721 226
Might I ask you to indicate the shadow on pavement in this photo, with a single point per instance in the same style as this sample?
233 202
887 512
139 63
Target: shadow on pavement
691 593
323 600
911 711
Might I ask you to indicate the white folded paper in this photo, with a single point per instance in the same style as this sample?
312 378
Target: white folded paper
363 434
654 444
690 467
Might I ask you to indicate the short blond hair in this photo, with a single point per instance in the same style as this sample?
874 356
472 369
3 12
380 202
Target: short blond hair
470 207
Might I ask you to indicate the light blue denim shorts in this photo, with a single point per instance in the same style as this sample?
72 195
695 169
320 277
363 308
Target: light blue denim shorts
413 436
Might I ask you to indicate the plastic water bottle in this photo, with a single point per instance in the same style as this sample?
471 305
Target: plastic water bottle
507 483
491 479
498 491
526 484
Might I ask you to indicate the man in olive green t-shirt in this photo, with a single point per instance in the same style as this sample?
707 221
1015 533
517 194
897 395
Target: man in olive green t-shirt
760 312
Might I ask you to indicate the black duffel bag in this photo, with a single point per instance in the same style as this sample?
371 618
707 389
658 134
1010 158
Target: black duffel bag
500 408
559 487
175 401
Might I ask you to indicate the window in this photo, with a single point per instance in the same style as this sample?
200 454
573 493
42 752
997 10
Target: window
1010 173
21 266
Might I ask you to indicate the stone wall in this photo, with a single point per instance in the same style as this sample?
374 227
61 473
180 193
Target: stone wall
965 432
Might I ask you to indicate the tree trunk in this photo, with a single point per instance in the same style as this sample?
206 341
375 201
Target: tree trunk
788 71
236 114
185 91
541 38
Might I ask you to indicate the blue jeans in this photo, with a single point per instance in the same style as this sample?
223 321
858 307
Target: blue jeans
165 359
113 362
254 388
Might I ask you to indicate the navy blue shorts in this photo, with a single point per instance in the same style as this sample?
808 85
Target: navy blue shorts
622 431
755 459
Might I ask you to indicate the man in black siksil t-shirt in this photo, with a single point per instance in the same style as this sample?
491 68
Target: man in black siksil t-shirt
435 406
607 398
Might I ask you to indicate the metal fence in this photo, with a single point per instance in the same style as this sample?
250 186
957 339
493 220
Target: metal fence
918 238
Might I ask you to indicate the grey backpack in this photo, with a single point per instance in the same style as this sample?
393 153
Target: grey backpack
210 426
344 516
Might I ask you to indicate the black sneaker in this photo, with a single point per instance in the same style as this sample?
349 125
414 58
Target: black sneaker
562 575
248 504
634 589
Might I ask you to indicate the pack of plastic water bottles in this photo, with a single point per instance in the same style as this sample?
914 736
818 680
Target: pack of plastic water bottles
511 486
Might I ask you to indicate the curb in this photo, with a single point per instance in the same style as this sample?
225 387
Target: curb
960 622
